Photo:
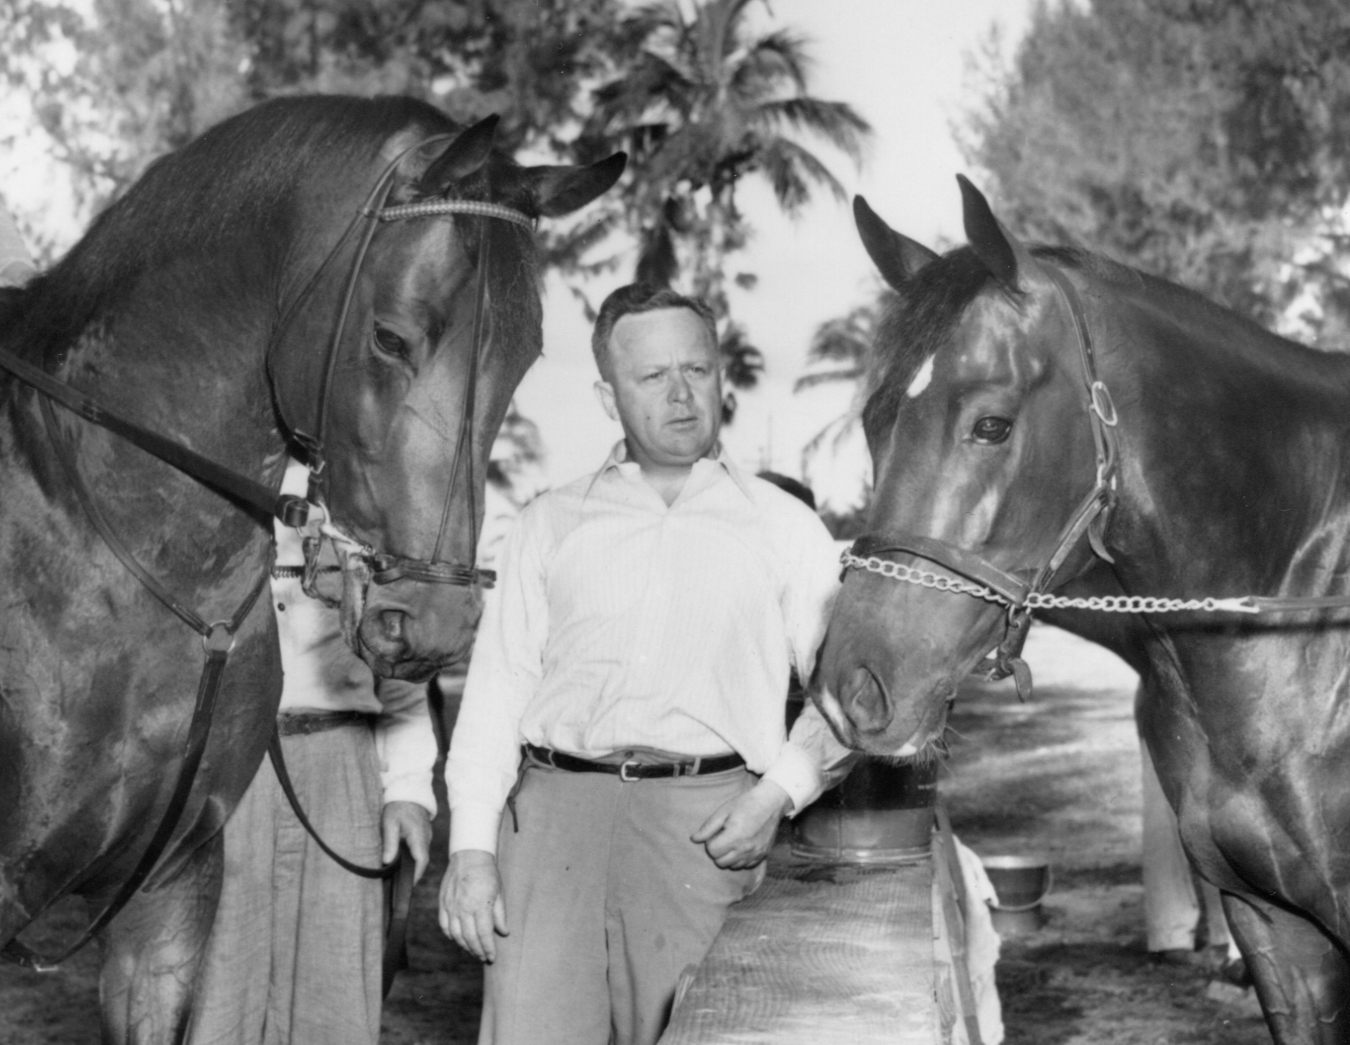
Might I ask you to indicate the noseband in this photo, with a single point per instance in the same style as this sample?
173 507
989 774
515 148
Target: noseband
977 576
358 556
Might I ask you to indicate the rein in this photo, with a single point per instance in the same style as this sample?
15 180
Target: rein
979 578
218 638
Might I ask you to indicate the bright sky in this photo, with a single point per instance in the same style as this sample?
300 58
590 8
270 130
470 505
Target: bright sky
902 64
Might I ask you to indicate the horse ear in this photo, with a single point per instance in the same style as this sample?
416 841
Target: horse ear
1000 251
898 257
461 158
561 190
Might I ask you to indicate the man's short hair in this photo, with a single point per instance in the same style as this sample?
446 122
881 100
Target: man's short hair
635 298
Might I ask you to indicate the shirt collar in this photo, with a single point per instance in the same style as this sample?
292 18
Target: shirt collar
619 461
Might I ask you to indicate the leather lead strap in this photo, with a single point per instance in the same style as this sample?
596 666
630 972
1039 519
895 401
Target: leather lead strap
253 495
398 876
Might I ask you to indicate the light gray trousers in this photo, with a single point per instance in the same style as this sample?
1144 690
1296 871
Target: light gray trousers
295 952
607 901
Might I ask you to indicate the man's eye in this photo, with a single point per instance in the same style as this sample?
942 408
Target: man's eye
390 343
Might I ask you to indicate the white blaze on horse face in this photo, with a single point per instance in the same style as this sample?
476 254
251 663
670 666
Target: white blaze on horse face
921 380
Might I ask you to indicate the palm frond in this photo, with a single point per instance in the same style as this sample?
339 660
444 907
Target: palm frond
791 168
837 122
769 59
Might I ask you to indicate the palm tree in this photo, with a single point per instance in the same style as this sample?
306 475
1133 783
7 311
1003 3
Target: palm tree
835 458
703 103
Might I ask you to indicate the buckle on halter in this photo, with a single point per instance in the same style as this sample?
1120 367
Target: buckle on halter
1103 405
219 639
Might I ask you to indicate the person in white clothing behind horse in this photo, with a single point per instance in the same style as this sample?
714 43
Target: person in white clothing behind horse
620 763
295 951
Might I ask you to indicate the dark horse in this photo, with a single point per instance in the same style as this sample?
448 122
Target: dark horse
214 303
1190 454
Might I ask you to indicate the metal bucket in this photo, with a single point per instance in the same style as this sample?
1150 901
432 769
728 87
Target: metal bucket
881 814
1021 883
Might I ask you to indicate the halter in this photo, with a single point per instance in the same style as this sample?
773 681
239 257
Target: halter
362 561
979 578
1017 593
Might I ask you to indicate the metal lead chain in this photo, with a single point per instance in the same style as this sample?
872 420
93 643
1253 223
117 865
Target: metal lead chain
1042 601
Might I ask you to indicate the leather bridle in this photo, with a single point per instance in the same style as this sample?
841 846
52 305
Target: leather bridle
372 565
218 637
1090 518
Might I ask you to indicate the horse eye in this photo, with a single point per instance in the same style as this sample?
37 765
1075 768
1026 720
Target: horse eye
390 343
991 429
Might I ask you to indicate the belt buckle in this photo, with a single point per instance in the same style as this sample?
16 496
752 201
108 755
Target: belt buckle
623 771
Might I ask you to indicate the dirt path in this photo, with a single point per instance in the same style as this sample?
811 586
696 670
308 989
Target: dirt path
1058 776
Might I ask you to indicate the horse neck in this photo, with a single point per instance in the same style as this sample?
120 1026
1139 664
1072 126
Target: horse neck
1232 448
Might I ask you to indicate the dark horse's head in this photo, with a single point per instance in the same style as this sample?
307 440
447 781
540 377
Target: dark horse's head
263 287
981 447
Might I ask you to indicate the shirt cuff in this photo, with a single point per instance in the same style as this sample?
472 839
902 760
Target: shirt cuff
797 774
474 826
411 788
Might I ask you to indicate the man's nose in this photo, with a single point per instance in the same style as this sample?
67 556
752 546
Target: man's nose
680 391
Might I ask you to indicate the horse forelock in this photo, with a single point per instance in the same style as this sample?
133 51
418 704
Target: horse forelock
919 321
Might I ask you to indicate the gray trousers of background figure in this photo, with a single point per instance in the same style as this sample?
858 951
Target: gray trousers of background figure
607 901
1171 906
294 956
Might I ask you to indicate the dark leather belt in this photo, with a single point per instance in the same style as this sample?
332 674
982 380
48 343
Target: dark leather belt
320 721
633 769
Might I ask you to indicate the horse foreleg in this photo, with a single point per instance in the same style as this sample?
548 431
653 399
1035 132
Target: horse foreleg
153 951
1302 976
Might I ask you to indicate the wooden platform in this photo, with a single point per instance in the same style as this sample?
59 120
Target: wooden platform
818 955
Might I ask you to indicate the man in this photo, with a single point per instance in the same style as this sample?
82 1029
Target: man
638 645
295 951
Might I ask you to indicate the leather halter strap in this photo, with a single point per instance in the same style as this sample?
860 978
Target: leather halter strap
291 510
218 640
1090 517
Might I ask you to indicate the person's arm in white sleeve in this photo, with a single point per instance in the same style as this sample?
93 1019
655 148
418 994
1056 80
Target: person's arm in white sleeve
504 673
405 745
812 759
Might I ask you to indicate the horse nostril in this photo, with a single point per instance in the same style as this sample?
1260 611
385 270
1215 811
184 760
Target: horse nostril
865 702
391 625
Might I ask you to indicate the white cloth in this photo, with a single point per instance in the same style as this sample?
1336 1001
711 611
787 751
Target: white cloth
16 264
322 674
982 945
621 622
1172 908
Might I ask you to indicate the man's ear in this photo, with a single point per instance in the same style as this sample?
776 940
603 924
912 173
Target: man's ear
604 391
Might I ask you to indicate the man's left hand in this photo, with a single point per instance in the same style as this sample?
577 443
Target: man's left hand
411 823
740 833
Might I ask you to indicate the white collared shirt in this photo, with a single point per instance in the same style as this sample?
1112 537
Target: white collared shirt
323 674
619 622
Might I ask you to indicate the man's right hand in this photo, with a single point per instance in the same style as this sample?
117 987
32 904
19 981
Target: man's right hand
472 908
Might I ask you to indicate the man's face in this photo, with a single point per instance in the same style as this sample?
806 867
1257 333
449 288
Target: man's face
665 386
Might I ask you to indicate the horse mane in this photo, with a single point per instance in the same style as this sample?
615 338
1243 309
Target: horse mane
920 320
227 197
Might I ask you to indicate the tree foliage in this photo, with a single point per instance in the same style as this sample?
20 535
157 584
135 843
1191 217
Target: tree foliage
1207 141
702 101
123 81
